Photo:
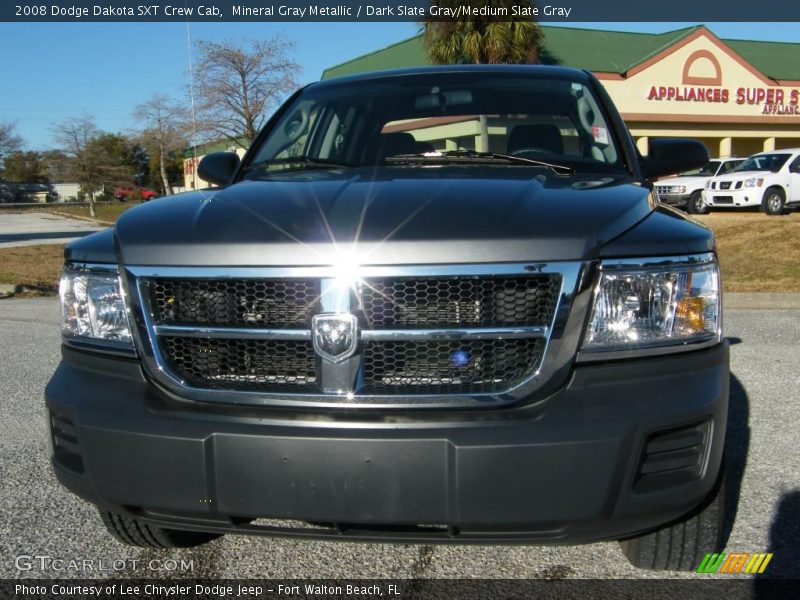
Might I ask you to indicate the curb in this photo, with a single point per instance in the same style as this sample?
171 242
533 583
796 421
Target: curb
11 290
761 301
79 218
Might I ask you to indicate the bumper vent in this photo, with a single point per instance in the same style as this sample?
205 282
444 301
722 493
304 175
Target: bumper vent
66 447
674 456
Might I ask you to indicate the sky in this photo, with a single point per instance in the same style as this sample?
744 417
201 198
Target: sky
54 71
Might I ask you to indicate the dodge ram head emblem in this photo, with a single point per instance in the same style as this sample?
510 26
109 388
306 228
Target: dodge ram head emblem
335 336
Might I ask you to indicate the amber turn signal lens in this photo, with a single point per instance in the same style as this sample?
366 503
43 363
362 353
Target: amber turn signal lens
689 314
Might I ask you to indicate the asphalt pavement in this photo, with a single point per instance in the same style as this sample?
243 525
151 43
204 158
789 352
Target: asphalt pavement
35 228
39 518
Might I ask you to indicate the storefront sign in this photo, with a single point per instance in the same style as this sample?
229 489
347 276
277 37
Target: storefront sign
761 96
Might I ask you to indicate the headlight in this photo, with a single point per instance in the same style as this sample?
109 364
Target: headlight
708 184
93 307
652 303
754 182
678 189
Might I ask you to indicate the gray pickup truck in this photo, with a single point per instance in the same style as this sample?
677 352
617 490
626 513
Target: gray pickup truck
428 305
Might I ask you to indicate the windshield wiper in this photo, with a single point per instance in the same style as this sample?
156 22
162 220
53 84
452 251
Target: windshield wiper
301 161
475 156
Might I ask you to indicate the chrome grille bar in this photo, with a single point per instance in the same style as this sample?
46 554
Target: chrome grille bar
398 335
498 333
236 333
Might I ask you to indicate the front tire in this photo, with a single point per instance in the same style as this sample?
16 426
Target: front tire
682 545
133 532
774 201
696 205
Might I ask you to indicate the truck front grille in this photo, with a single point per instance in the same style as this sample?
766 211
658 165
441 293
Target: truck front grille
430 367
243 335
392 303
258 365
278 303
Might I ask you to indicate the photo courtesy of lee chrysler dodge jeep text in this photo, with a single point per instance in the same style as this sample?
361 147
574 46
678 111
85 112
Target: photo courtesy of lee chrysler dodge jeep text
430 305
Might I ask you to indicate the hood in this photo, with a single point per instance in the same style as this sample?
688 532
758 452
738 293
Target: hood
393 215
741 175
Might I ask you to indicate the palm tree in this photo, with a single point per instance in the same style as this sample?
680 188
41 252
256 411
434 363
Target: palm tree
482 40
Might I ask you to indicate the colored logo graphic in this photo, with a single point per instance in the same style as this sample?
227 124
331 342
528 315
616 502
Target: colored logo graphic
735 562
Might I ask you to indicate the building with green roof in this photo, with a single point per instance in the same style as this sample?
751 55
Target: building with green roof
738 97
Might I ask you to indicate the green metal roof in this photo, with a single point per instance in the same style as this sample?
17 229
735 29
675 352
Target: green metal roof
573 47
408 53
779 60
621 51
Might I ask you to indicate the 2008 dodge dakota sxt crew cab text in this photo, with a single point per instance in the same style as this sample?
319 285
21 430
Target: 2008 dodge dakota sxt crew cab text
430 305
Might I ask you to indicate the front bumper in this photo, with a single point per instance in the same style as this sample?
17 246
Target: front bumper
733 198
563 469
674 199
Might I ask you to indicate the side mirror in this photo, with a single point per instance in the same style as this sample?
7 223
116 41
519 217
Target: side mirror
218 167
666 156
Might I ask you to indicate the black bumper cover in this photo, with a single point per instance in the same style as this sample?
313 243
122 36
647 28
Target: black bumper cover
561 470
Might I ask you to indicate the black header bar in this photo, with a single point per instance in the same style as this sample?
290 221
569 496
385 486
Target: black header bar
562 11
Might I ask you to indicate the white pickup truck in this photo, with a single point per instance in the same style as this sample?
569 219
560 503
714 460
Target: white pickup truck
685 189
770 180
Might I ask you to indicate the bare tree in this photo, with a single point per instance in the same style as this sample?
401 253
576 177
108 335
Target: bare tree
9 141
239 83
164 124
75 136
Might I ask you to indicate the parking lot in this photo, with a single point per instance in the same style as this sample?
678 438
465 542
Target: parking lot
32 228
41 519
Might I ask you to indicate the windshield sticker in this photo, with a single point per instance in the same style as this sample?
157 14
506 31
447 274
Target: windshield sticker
600 134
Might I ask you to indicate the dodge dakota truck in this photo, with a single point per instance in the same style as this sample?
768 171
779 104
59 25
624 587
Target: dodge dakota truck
430 305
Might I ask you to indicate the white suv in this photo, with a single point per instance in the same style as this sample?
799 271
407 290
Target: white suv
685 189
770 180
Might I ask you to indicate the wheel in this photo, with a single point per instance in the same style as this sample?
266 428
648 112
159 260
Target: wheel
682 545
696 205
773 201
134 532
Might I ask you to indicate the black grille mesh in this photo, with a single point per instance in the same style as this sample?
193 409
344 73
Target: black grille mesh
274 303
458 301
258 365
427 367
390 368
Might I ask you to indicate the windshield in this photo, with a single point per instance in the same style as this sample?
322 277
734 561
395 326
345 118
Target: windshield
497 119
764 162
706 171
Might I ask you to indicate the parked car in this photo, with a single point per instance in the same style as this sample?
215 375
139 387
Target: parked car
125 193
377 328
685 190
770 180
